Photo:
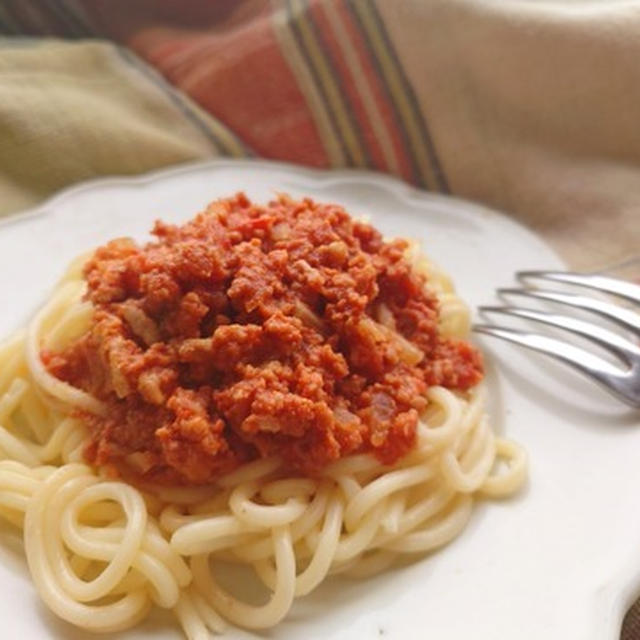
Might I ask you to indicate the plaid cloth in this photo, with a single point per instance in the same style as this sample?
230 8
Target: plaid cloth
529 107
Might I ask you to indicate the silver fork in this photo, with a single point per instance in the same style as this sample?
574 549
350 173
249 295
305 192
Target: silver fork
623 381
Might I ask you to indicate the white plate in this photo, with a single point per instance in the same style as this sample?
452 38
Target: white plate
560 561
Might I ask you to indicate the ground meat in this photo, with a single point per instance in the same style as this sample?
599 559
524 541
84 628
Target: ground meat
255 331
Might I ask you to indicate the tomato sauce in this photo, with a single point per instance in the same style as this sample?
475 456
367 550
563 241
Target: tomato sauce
289 329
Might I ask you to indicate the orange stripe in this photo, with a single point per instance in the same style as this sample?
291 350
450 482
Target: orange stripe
362 87
304 74
259 99
327 81
382 100
410 117
347 82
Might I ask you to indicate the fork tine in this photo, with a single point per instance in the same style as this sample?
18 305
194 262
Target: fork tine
625 318
622 288
594 367
609 340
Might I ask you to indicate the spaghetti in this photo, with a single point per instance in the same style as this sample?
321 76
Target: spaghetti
102 552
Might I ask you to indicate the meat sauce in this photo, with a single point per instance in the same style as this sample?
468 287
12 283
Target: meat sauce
289 329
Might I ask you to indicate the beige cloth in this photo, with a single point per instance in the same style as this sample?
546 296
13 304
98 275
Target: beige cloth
70 112
534 107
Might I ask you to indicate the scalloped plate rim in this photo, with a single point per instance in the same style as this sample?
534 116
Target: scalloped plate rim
623 585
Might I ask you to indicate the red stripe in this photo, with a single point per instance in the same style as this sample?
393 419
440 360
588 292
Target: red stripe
384 105
346 82
234 68
248 87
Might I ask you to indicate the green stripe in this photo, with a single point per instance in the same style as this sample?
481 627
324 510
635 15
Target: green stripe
407 115
427 140
345 102
292 19
417 177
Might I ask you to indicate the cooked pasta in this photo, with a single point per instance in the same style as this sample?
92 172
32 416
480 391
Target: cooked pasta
102 552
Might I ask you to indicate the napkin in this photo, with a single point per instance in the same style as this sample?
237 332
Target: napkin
528 106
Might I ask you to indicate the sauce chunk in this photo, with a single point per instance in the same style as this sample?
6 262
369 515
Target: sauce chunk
288 329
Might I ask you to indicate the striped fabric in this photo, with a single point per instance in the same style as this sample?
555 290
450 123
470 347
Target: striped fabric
320 83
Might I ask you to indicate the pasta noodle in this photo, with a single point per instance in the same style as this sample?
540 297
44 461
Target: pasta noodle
102 552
